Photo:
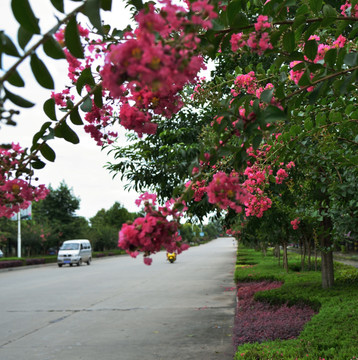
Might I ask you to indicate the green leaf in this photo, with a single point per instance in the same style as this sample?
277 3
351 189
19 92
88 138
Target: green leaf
65 132
315 5
272 114
87 105
329 14
75 117
25 16
335 117
85 78
42 75
23 37
330 57
305 79
295 130
7 46
72 39
308 124
98 99
289 41
38 164
234 14
266 95
299 20
91 10
50 109
58 4
18 100
47 152
351 59
138 4
312 28
312 97
329 11
311 48
347 80
340 58
256 142
53 49
106 5
16 80
40 134
321 119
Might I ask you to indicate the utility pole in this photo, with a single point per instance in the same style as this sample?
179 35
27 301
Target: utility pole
19 234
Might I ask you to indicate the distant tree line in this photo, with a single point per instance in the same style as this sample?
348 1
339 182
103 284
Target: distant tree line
54 220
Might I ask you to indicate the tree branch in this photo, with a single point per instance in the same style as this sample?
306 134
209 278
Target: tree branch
40 42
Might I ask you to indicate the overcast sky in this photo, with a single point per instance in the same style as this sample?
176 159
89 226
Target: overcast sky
80 166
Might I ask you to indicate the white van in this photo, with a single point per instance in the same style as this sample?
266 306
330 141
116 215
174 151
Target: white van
75 252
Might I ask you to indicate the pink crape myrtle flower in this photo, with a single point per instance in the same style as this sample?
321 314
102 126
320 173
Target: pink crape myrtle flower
257 41
16 193
151 233
295 223
347 10
147 71
226 191
281 175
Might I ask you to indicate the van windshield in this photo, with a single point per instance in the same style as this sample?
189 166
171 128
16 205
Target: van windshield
70 246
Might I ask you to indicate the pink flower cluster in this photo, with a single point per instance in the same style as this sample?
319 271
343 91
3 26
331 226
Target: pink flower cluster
62 97
281 175
153 232
295 223
296 75
199 189
16 193
99 119
258 179
147 71
255 184
233 232
257 41
227 191
249 84
348 10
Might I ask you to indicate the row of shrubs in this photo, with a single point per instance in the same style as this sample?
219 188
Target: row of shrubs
331 334
16 262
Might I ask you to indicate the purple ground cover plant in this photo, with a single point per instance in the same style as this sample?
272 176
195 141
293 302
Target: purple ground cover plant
257 322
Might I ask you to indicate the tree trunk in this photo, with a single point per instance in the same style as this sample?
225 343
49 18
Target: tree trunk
264 249
327 269
309 253
278 252
284 259
303 253
315 257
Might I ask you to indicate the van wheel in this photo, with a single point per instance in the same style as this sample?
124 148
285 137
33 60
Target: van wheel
89 261
59 265
79 262
71 264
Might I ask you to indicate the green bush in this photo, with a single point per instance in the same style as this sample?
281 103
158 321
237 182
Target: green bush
332 332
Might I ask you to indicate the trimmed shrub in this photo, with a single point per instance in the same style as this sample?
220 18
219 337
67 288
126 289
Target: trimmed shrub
10 263
34 261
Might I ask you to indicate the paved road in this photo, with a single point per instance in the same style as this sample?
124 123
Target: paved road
120 309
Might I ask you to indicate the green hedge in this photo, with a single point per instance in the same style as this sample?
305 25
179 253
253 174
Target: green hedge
331 334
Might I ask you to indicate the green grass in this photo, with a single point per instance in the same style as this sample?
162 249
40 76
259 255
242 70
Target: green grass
333 331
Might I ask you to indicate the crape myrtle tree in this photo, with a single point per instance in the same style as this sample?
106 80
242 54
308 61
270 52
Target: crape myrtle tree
137 76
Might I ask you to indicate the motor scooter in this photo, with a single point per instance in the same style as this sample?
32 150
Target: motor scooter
171 257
